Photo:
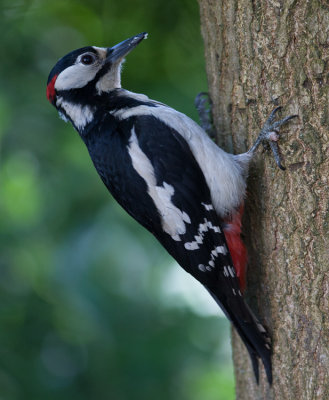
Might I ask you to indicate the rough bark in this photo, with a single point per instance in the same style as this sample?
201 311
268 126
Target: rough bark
259 54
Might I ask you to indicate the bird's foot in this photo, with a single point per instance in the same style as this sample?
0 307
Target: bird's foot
203 105
270 135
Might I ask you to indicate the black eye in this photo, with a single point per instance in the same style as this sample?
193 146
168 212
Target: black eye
88 59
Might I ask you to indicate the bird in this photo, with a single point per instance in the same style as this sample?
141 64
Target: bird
169 175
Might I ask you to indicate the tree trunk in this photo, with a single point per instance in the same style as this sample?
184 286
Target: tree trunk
259 54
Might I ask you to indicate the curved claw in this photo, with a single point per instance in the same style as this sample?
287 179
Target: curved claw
272 115
276 153
283 121
269 134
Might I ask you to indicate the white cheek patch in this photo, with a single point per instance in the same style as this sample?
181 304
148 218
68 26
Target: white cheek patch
76 76
172 218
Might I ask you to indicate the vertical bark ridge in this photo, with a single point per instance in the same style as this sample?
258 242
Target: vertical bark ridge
260 54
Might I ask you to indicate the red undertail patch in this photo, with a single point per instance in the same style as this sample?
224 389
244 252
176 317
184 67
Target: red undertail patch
236 246
51 93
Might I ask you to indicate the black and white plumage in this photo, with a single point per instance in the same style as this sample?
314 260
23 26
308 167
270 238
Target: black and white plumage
164 171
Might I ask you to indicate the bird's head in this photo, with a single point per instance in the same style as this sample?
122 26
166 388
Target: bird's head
88 71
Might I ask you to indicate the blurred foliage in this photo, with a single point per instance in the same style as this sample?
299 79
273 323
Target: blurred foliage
90 304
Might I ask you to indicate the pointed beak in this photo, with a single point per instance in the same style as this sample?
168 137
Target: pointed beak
120 50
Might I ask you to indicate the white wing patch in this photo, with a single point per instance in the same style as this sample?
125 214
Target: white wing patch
80 115
173 219
225 173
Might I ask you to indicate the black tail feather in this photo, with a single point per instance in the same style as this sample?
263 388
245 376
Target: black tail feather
260 347
254 362
252 333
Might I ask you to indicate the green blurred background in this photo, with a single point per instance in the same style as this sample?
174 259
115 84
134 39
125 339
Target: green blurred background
91 307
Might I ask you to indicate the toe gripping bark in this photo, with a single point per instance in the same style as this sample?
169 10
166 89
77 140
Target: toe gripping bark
270 135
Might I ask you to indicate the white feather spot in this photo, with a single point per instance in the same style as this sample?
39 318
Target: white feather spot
186 218
221 250
199 239
226 272
202 267
203 228
191 246
231 271
208 207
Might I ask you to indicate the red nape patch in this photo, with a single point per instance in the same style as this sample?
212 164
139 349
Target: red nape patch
51 93
236 247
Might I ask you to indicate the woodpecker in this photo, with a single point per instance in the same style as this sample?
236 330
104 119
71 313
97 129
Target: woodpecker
166 172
